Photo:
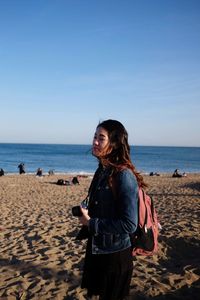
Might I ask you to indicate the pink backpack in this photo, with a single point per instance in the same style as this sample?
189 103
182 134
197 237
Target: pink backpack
145 239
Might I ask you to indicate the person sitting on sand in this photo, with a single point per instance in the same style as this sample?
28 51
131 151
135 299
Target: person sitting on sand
1 172
177 174
39 172
63 182
75 180
154 174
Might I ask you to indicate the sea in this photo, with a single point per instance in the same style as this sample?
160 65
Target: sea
77 159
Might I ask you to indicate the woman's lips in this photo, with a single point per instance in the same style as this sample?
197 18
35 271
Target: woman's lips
95 150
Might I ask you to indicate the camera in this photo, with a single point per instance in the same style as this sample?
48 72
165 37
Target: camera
76 211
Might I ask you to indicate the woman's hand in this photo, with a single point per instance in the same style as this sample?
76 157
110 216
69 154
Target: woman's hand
84 219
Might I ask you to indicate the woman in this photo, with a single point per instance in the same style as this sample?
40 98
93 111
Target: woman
111 215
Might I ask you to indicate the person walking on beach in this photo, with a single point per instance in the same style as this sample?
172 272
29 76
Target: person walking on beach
21 168
111 215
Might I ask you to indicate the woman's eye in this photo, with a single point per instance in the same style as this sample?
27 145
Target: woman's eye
102 139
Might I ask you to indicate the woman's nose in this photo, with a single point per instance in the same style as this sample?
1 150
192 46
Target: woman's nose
95 142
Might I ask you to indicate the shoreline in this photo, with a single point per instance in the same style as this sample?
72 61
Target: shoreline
82 173
55 174
41 259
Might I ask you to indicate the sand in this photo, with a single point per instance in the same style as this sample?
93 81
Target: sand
40 258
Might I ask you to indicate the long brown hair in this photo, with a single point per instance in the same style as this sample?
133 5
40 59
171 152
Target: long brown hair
118 154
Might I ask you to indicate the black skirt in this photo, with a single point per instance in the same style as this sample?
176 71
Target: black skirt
107 275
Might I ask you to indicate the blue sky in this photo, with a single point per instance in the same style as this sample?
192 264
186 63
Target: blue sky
65 65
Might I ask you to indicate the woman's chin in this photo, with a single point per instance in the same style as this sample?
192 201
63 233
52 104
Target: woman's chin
95 153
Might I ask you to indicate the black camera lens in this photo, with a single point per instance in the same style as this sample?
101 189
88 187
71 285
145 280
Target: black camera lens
76 211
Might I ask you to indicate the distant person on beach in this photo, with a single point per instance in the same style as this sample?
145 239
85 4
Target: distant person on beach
111 215
1 172
39 172
75 180
177 174
21 168
51 172
154 174
63 182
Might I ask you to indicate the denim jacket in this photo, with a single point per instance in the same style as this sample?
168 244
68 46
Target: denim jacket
113 215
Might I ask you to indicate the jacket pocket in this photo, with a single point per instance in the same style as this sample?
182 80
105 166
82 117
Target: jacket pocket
107 241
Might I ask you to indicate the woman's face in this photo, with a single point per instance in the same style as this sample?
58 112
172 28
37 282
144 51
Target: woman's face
100 142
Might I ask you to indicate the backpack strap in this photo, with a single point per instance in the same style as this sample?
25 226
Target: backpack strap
143 198
152 205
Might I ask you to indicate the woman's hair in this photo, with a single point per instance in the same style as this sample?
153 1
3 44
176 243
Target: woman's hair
117 155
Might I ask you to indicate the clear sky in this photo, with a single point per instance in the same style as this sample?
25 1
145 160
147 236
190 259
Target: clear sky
65 65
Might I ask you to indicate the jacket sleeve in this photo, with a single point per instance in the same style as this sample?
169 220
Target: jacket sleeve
127 199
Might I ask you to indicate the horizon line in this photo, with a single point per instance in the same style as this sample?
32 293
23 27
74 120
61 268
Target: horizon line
77 144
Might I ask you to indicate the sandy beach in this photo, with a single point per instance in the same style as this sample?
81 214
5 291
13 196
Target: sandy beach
41 260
